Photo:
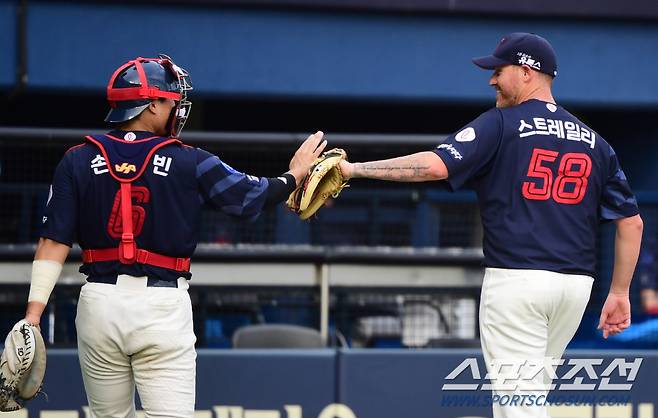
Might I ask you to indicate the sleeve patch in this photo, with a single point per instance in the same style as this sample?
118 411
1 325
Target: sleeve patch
465 135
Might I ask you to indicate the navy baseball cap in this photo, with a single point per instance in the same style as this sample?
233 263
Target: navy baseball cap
522 48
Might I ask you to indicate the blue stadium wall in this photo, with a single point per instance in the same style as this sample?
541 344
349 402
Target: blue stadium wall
313 54
373 384
261 52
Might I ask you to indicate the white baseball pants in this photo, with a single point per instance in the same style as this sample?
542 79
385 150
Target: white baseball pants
133 335
527 316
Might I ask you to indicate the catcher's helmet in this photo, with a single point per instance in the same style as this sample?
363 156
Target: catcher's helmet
135 84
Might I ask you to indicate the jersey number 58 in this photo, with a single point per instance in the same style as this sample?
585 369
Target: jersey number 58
570 185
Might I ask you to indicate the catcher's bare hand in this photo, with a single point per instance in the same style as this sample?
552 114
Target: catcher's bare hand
33 313
615 315
306 155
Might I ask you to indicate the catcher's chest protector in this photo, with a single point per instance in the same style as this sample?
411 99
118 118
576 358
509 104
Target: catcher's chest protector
127 162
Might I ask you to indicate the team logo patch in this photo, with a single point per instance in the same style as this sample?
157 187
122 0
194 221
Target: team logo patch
130 136
465 135
125 168
551 107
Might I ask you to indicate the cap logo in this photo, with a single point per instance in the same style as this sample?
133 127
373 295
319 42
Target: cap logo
526 59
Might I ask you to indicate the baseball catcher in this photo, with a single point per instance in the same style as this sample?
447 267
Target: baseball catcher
323 179
133 198
22 366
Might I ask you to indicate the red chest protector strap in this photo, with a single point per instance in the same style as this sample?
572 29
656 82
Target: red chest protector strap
127 247
127 252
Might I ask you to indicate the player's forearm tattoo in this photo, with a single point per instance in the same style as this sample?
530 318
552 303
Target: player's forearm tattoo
384 170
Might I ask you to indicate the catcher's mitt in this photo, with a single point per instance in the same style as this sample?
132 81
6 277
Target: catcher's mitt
22 366
324 179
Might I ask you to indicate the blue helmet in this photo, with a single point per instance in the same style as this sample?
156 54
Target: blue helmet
134 85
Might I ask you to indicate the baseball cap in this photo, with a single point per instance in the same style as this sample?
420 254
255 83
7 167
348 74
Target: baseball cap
522 48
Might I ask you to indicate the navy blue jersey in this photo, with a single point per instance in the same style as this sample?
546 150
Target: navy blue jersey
544 182
178 180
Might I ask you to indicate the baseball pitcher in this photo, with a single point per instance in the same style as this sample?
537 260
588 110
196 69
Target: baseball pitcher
544 182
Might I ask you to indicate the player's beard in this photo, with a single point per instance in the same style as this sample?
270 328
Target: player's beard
504 99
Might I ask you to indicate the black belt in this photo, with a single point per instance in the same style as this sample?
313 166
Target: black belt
150 282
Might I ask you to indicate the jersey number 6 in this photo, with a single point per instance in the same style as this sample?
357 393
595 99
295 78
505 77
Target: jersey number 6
140 194
570 185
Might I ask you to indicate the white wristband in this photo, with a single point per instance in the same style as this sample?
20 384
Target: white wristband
44 276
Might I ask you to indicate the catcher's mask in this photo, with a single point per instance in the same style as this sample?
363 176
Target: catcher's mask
136 83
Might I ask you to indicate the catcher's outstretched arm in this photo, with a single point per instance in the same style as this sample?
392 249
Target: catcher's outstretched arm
421 166
46 268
